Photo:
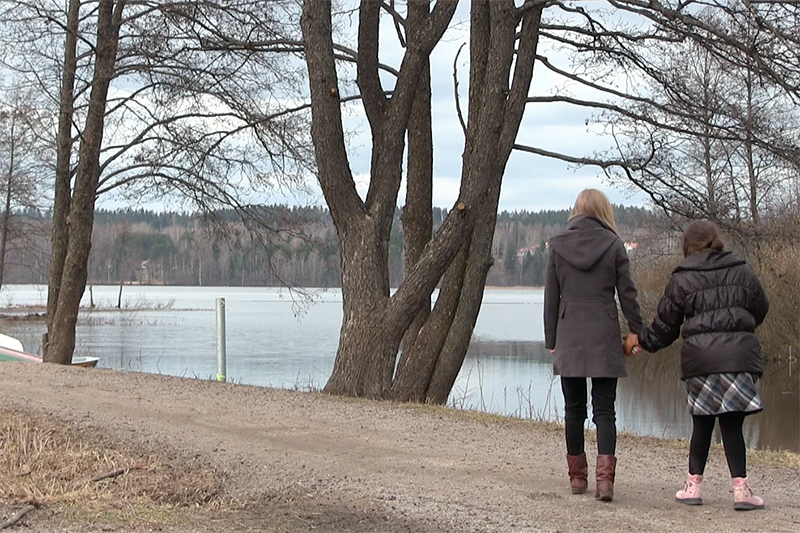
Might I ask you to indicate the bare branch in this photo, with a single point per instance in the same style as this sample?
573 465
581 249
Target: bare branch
455 91
367 63
399 21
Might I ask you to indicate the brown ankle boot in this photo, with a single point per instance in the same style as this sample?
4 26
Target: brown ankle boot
578 473
606 464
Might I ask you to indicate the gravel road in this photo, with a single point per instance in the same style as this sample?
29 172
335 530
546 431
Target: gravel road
301 461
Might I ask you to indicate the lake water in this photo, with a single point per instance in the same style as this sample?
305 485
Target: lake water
278 339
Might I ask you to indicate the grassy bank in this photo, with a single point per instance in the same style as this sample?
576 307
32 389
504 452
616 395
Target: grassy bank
84 476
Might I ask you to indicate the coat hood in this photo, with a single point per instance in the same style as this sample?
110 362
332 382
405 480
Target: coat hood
584 242
709 260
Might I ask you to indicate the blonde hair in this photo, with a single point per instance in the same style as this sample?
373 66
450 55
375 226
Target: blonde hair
594 203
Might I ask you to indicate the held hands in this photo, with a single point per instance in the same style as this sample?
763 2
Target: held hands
631 345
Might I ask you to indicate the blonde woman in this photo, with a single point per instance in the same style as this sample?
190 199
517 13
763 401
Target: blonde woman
587 266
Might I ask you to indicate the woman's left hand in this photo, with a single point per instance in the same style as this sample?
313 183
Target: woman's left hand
631 345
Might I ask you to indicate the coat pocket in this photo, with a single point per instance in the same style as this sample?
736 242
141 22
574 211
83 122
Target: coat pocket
611 309
562 309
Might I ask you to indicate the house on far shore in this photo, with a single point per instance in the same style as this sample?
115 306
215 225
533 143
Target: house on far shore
530 250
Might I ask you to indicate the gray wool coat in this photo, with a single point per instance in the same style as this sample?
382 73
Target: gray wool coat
586 266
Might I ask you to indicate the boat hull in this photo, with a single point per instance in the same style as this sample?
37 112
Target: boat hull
9 354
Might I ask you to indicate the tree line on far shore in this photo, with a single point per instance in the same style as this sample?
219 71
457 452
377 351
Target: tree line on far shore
137 246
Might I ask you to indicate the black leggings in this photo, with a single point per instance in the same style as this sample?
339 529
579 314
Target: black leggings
730 425
604 394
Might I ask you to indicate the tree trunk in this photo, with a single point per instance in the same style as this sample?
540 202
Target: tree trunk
62 192
9 190
121 268
417 214
442 345
480 259
748 143
413 380
81 217
707 140
370 334
459 335
419 359
444 340
365 357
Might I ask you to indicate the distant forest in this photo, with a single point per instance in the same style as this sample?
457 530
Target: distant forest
290 245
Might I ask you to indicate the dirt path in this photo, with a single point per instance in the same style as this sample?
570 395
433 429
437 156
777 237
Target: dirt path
334 464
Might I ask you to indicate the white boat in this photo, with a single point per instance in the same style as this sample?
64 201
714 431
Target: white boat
11 349
10 342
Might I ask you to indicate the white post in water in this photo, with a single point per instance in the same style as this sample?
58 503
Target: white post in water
221 339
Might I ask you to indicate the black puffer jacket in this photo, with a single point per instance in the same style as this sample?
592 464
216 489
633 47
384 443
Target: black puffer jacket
722 302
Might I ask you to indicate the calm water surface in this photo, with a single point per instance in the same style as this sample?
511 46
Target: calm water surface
278 339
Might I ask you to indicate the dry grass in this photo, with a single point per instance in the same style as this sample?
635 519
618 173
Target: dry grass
774 458
651 275
46 463
776 266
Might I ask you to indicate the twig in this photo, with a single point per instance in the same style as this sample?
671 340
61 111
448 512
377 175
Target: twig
17 516
133 511
113 473
117 472
455 89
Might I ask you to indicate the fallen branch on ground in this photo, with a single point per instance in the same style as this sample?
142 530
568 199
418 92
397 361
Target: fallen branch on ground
117 472
16 517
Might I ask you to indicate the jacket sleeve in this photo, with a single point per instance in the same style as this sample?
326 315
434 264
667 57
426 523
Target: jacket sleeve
666 326
759 305
552 299
626 291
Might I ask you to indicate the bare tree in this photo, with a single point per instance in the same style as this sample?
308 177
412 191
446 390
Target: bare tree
441 347
61 333
697 95
374 321
718 142
23 153
121 237
417 216
700 98
159 110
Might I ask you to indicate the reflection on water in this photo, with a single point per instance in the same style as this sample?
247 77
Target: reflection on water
507 369
513 378
653 379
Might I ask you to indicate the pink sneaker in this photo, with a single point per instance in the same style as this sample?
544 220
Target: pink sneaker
743 497
692 492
